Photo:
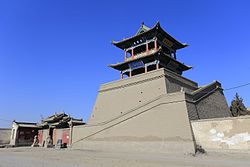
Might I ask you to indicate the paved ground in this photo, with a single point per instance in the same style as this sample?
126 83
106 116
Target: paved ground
41 157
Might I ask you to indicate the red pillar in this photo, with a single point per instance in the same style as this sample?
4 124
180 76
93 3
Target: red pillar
155 44
147 47
133 53
157 65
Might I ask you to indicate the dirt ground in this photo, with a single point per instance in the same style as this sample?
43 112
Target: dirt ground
41 157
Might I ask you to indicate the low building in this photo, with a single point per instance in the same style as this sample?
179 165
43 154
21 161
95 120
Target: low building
58 127
23 133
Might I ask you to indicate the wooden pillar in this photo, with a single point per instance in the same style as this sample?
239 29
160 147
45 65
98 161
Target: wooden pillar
125 55
130 73
132 53
157 65
147 47
146 68
155 43
121 75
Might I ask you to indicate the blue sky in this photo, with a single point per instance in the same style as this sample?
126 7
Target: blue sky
54 53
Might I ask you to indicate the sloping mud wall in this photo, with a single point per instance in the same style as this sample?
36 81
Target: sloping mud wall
159 126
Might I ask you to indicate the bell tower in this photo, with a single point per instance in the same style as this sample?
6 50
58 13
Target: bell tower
151 109
149 49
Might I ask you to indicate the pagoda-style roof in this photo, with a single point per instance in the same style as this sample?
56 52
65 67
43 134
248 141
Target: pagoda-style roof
144 32
61 120
166 60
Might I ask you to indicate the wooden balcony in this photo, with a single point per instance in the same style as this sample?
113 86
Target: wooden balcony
142 54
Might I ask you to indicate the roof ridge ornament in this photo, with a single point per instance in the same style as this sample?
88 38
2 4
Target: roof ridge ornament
157 24
143 28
